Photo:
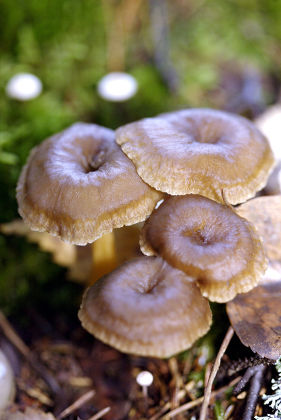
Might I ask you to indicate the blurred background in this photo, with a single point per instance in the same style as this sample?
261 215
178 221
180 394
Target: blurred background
182 53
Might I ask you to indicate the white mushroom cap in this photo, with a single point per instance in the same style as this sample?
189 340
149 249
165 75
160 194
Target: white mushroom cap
117 87
24 86
144 378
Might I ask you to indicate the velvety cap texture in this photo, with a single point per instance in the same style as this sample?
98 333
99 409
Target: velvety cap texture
200 151
146 307
78 185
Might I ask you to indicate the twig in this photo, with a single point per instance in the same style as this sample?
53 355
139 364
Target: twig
250 372
14 338
191 404
255 375
253 394
77 404
213 373
100 413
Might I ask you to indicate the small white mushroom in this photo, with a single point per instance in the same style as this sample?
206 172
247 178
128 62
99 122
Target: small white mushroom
117 87
144 379
24 86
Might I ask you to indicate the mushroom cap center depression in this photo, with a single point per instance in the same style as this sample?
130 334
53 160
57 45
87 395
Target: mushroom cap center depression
203 152
146 307
98 159
79 185
201 237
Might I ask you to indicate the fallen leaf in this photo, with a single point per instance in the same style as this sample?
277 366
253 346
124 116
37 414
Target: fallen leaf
256 319
265 214
256 315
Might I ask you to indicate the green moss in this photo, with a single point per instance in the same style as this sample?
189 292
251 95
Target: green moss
65 43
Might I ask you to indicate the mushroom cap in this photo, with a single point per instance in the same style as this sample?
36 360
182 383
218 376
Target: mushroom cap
199 151
146 307
207 241
78 185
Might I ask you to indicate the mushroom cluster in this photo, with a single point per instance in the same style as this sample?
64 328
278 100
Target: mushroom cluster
196 245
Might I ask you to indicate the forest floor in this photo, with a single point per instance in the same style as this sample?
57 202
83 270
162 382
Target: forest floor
66 372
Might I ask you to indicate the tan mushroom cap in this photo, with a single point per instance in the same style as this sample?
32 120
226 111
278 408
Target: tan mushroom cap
78 185
199 151
207 241
146 307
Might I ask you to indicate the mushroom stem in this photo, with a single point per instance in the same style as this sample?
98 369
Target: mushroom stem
104 256
107 255
144 379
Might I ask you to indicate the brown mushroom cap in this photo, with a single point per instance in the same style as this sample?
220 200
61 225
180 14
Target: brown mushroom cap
146 307
207 241
199 151
79 185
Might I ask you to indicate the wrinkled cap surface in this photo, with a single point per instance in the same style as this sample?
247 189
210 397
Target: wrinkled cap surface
146 307
199 151
78 185
207 241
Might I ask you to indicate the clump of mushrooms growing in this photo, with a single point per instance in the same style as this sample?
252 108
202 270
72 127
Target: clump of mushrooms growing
196 244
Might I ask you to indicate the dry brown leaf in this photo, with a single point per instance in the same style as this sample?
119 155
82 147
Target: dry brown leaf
256 315
265 214
256 319
29 414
